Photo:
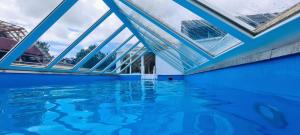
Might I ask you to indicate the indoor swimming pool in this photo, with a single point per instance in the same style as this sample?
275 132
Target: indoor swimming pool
144 107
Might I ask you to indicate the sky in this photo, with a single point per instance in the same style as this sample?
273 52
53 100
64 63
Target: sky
28 13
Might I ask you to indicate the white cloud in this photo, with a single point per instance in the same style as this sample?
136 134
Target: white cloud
27 13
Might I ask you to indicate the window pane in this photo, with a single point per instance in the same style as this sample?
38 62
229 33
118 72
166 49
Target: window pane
188 52
182 52
108 50
115 54
67 29
255 15
188 25
94 39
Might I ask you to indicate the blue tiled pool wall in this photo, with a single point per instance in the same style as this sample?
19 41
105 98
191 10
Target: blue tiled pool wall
28 79
159 77
170 77
9 80
279 76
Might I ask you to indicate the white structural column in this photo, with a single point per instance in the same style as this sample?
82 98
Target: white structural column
119 63
142 65
130 60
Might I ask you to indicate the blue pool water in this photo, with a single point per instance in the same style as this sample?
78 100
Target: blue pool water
145 108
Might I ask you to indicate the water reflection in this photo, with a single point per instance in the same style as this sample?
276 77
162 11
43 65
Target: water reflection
145 107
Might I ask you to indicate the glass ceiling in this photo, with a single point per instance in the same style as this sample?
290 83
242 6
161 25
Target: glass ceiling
110 35
254 15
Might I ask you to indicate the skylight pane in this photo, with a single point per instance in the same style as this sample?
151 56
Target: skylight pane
254 15
195 56
66 30
18 18
190 26
110 50
93 40
184 53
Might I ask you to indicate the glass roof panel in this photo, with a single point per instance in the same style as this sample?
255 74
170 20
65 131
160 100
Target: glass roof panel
19 17
190 26
66 30
136 18
115 54
184 53
168 46
254 15
109 50
93 40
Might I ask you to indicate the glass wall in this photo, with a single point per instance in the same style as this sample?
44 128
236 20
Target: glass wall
109 53
66 30
92 41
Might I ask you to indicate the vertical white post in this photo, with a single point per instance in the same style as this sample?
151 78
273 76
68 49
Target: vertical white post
130 60
142 65
118 63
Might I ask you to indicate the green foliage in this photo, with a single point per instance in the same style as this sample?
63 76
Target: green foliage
94 60
43 45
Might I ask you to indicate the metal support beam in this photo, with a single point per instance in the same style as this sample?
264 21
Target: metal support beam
121 57
133 61
113 6
137 52
98 48
79 39
36 33
110 54
215 20
173 33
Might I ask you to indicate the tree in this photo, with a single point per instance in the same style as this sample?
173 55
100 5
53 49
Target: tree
93 61
43 46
